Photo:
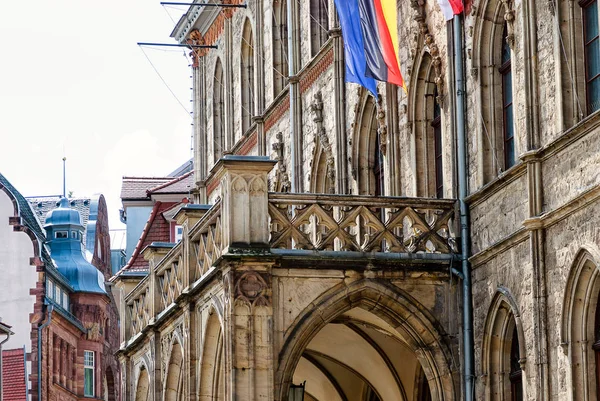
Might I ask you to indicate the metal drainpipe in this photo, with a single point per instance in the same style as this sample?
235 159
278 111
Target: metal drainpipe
39 341
469 377
3 341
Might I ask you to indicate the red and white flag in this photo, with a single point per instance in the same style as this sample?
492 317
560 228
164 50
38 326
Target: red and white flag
450 8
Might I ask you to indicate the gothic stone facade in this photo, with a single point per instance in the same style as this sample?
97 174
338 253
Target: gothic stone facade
353 294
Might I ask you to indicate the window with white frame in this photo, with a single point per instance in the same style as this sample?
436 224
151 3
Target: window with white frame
88 373
50 289
178 233
65 300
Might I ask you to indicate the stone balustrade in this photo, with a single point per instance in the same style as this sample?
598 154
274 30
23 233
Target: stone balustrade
361 223
247 217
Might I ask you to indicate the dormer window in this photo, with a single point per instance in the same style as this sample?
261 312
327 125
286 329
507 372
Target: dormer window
61 234
178 233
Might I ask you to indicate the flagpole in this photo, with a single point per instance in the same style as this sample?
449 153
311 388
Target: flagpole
469 377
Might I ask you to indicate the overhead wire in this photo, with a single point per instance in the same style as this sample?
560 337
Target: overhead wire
164 82
252 47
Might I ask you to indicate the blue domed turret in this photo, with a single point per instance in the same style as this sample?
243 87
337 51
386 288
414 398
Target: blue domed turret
64 232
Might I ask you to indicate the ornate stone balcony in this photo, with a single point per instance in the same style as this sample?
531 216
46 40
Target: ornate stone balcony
250 221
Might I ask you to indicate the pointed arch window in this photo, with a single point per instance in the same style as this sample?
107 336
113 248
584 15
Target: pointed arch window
280 45
516 374
426 118
218 112
592 54
247 76
319 24
507 103
596 346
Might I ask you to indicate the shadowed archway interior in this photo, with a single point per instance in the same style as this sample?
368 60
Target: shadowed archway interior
360 357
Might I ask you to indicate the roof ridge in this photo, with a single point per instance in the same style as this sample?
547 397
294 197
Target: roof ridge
142 238
166 184
130 177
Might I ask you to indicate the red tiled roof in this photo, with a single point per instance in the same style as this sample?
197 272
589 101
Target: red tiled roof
13 375
137 187
156 230
180 184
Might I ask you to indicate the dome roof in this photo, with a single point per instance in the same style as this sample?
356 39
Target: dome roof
63 215
64 233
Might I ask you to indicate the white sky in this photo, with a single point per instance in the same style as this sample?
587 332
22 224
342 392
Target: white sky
73 80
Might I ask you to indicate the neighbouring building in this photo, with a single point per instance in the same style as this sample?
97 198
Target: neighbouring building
320 242
53 289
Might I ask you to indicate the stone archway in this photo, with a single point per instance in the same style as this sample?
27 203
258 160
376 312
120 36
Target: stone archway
365 340
503 338
580 311
211 385
143 385
174 380
364 145
109 385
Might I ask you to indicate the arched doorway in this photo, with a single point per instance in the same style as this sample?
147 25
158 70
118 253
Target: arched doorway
368 341
211 384
174 382
109 385
143 385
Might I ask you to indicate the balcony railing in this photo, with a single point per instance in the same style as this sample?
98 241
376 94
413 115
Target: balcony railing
361 223
247 215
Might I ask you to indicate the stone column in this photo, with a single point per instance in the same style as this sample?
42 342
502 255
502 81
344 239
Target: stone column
69 367
248 314
55 356
539 369
200 134
227 72
63 363
295 113
244 201
340 108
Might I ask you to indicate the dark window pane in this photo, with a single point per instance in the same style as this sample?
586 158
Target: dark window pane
594 95
507 88
591 21
509 143
593 58
509 123
505 46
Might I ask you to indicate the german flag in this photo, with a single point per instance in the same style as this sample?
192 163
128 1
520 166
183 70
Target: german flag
372 50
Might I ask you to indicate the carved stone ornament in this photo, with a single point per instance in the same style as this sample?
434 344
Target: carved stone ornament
195 38
252 289
509 17
382 129
282 180
93 318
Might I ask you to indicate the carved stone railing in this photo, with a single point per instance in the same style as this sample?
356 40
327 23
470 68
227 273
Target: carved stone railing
361 223
170 280
139 306
206 242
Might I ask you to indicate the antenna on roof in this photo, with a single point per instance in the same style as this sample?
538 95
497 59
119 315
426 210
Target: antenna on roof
170 3
64 177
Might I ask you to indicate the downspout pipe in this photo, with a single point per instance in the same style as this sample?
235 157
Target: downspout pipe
39 350
468 347
8 334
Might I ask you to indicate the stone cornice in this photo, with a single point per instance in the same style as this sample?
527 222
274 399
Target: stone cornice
499 247
496 185
541 222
